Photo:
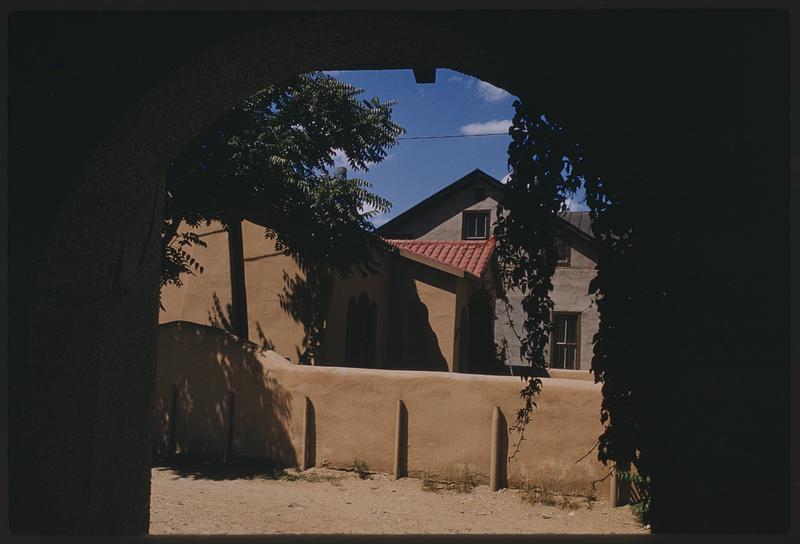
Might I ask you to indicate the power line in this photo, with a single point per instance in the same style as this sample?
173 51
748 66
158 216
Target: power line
452 136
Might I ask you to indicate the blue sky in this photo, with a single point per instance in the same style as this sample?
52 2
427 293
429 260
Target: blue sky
457 104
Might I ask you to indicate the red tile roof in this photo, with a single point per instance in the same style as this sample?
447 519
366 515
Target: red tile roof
470 256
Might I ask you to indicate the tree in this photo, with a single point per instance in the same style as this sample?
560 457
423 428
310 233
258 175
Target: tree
271 158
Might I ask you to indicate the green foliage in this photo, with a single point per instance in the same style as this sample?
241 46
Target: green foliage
220 318
547 168
271 160
310 477
361 468
545 171
640 493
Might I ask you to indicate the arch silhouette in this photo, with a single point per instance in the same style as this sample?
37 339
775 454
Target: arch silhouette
95 291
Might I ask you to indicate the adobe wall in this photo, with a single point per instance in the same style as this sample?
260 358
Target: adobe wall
377 287
423 322
449 415
264 279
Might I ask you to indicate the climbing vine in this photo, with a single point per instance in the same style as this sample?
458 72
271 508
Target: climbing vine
545 171
547 167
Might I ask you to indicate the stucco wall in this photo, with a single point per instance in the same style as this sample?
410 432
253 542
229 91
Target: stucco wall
265 283
449 415
423 319
377 287
416 323
570 294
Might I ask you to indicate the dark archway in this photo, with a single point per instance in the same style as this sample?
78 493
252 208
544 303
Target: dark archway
84 345
360 332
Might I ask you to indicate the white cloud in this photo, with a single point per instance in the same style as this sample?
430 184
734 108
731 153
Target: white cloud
455 78
376 220
489 127
333 72
340 159
490 93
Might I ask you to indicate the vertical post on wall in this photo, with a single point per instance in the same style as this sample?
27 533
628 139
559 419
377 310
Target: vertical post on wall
309 436
238 289
613 492
401 442
228 445
497 469
173 415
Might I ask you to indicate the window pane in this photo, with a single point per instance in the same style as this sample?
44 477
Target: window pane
569 323
558 356
569 357
476 225
562 249
481 227
560 329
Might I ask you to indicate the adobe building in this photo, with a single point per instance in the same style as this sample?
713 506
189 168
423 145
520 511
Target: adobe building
431 306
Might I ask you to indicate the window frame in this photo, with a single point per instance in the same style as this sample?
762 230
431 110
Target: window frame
475 213
552 345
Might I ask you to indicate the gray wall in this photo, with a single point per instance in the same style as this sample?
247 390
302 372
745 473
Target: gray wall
443 221
570 294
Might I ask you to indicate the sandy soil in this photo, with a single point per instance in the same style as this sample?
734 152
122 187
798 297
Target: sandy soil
330 501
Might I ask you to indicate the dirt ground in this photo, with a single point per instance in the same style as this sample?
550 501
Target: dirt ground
325 501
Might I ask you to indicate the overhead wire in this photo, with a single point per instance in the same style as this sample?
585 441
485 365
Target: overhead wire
451 136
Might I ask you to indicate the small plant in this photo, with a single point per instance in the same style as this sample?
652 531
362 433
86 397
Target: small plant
308 477
541 494
429 483
640 494
567 502
361 468
466 482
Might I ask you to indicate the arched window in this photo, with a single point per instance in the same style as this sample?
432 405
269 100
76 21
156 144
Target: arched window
361 328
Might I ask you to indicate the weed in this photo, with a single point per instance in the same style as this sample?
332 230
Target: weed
361 468
309 477
541 494
429 483
466 482
567 502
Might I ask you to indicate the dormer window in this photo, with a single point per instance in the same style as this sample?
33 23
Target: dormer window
562 251
476 225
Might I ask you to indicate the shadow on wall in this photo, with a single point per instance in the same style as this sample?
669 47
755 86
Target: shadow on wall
306 300
413 342
198 369
220 318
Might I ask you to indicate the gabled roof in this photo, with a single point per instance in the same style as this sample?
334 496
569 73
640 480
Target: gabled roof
470 256
435 198
580 221
577 222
